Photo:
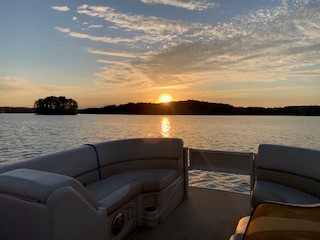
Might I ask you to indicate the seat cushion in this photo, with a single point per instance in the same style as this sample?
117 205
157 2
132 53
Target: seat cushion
118 189
265 228
269 191
121 196
154 180
113 194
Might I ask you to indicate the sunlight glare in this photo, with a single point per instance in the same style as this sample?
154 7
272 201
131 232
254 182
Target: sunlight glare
165 98
165 127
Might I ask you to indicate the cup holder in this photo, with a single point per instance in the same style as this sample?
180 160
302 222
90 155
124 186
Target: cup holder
149 214
150 209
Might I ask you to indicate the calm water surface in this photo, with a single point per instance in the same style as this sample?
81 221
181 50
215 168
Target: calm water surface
25 136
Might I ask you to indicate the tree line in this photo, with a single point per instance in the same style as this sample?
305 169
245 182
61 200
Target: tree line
62 105
192 107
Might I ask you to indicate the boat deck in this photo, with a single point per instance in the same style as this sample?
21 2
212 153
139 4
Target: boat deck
207 214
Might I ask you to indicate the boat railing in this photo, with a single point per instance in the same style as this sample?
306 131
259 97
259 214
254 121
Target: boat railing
222 161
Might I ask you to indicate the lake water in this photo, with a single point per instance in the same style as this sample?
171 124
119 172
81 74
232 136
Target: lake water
24 136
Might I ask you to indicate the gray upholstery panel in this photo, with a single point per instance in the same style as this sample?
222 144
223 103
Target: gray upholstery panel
305 162
138 164
143 148
20 219
73 163
120 197
302 183
155 180
269 191
72 217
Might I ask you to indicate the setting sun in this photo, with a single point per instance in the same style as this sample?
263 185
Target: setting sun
165 98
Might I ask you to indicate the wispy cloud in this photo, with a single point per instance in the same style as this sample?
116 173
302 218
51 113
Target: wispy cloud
265 45
14 84
115 54
19 85
187 4
113 62
60 8
95 26
145 29
94 38
63 30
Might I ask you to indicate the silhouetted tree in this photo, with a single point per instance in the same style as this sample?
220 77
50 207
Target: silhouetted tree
56 106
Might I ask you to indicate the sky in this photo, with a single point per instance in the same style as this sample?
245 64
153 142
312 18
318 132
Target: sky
240 52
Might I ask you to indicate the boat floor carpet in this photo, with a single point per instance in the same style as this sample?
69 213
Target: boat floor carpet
206 214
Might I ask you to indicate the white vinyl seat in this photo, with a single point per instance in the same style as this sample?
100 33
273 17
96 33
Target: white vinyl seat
286 174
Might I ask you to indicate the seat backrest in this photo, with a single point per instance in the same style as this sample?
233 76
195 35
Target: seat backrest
137 154
290 166
79 163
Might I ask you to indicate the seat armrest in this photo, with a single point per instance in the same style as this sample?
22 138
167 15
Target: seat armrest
241 228
74 218
34 185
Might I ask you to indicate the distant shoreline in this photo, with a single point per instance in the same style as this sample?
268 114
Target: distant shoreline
190 107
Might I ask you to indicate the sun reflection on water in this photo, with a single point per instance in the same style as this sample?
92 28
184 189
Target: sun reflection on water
165 127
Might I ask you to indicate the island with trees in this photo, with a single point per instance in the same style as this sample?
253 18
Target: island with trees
56 106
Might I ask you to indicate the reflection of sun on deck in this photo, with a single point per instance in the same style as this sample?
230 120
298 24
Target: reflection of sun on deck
206 214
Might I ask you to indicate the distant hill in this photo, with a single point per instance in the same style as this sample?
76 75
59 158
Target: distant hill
16 110
192 107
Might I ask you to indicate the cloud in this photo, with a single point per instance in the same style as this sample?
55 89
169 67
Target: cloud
94 38
63 30
144 29
113 62
60 8
14 84
116 54
19 85
265 45
186 4
95 26
307 73
262 46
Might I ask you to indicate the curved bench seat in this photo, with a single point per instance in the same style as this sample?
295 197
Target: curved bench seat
79 193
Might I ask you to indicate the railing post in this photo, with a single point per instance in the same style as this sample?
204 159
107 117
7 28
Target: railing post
186 172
